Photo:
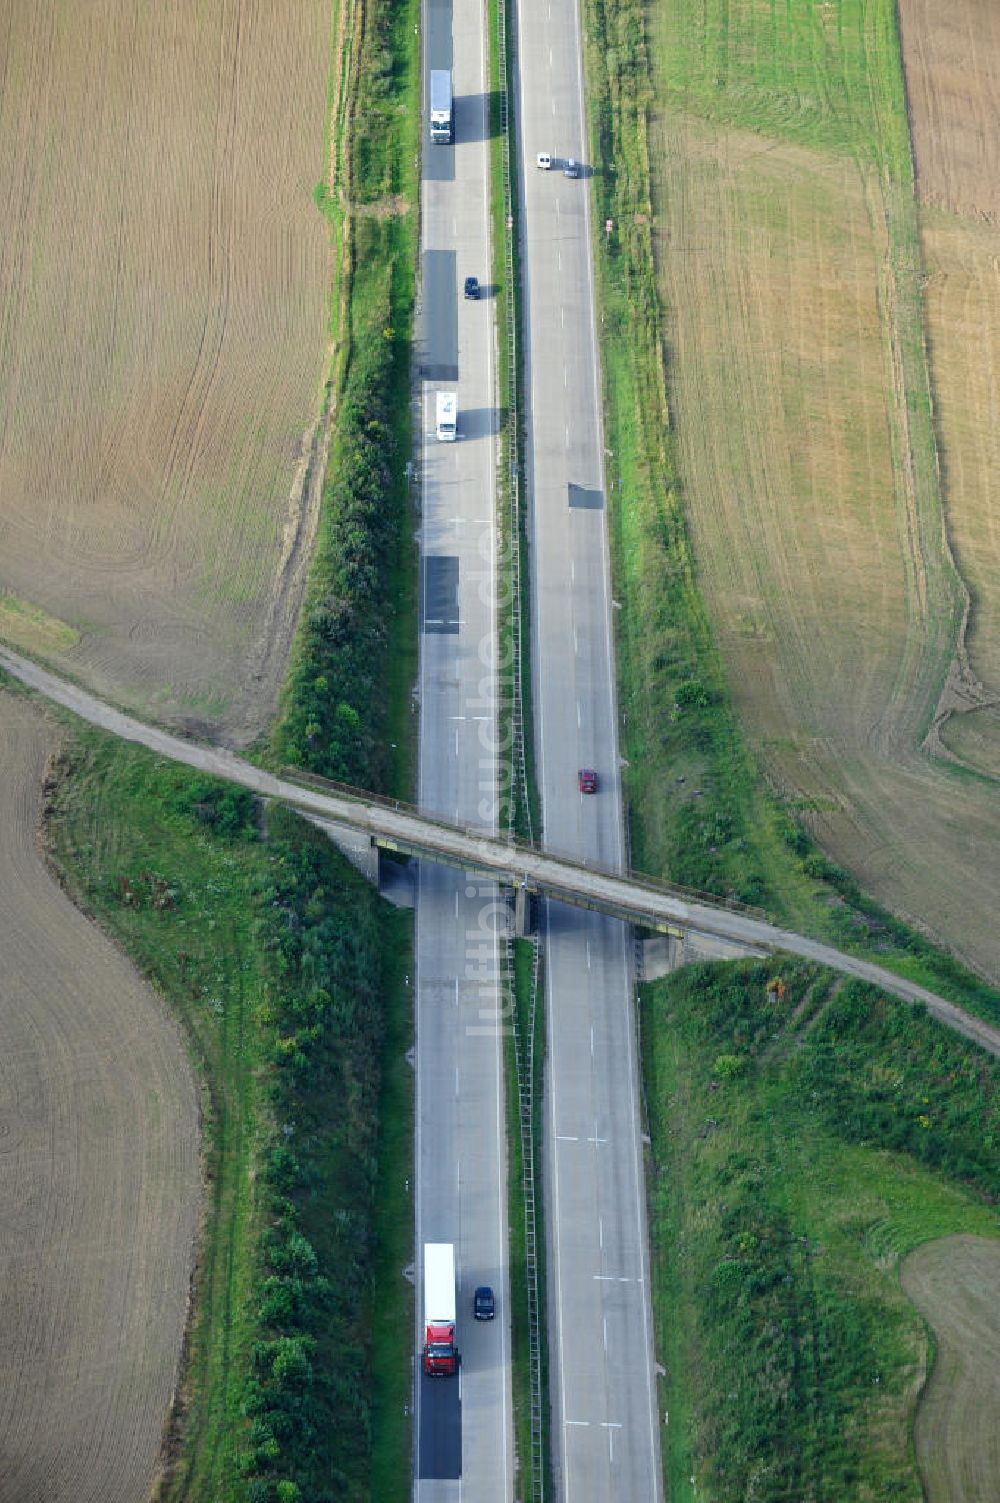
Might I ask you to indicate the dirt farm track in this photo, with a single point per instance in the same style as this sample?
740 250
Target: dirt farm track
99 1179
164 280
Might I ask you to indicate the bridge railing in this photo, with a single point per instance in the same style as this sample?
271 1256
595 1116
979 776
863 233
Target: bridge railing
658 885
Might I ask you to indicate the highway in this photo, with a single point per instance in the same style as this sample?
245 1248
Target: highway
463 1429
605 1432
602 1369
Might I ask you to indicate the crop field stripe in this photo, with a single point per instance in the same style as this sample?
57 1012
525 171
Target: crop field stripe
955 134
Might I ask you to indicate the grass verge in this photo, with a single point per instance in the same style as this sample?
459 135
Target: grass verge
805 1136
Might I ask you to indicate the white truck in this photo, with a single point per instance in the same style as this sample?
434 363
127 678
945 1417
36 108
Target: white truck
447 416
440 1352
442 108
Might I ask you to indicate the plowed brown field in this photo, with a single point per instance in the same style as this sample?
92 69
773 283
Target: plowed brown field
99 1178
953 1283
952 59
163 323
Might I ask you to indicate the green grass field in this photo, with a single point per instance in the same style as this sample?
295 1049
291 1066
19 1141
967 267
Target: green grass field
825 76
802 1145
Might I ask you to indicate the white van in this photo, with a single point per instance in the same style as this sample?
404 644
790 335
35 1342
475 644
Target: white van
447 415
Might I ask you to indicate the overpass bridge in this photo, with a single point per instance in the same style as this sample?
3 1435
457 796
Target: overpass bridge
393 826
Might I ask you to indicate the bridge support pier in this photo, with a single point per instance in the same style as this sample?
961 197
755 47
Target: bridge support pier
522 911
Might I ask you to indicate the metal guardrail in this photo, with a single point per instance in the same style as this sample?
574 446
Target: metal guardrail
512 433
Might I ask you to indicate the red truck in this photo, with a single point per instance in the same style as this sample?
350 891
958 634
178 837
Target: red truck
440 1352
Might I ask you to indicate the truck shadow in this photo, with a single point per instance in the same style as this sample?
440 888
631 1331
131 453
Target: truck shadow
477 116
477 422
439 1443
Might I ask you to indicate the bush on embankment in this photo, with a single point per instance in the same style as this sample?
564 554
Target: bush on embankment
334 709
347 684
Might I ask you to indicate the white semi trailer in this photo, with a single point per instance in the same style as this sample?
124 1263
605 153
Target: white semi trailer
440 1352
446 426
442 108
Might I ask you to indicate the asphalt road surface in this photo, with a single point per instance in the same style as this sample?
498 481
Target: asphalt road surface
605 1426
463 1432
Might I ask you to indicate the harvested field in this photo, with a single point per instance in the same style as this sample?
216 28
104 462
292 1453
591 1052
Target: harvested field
788 269
99 1179
953 1283
163 340
951 56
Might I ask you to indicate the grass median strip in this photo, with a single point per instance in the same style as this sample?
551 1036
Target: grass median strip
519 794
524 1074
523 807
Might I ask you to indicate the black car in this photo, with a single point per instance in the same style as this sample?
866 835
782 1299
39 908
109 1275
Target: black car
472 287
484 1305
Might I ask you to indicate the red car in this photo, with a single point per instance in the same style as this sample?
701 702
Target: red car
587 780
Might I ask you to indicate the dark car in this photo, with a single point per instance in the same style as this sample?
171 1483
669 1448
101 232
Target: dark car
571 168
587 780
472 287
484 1305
